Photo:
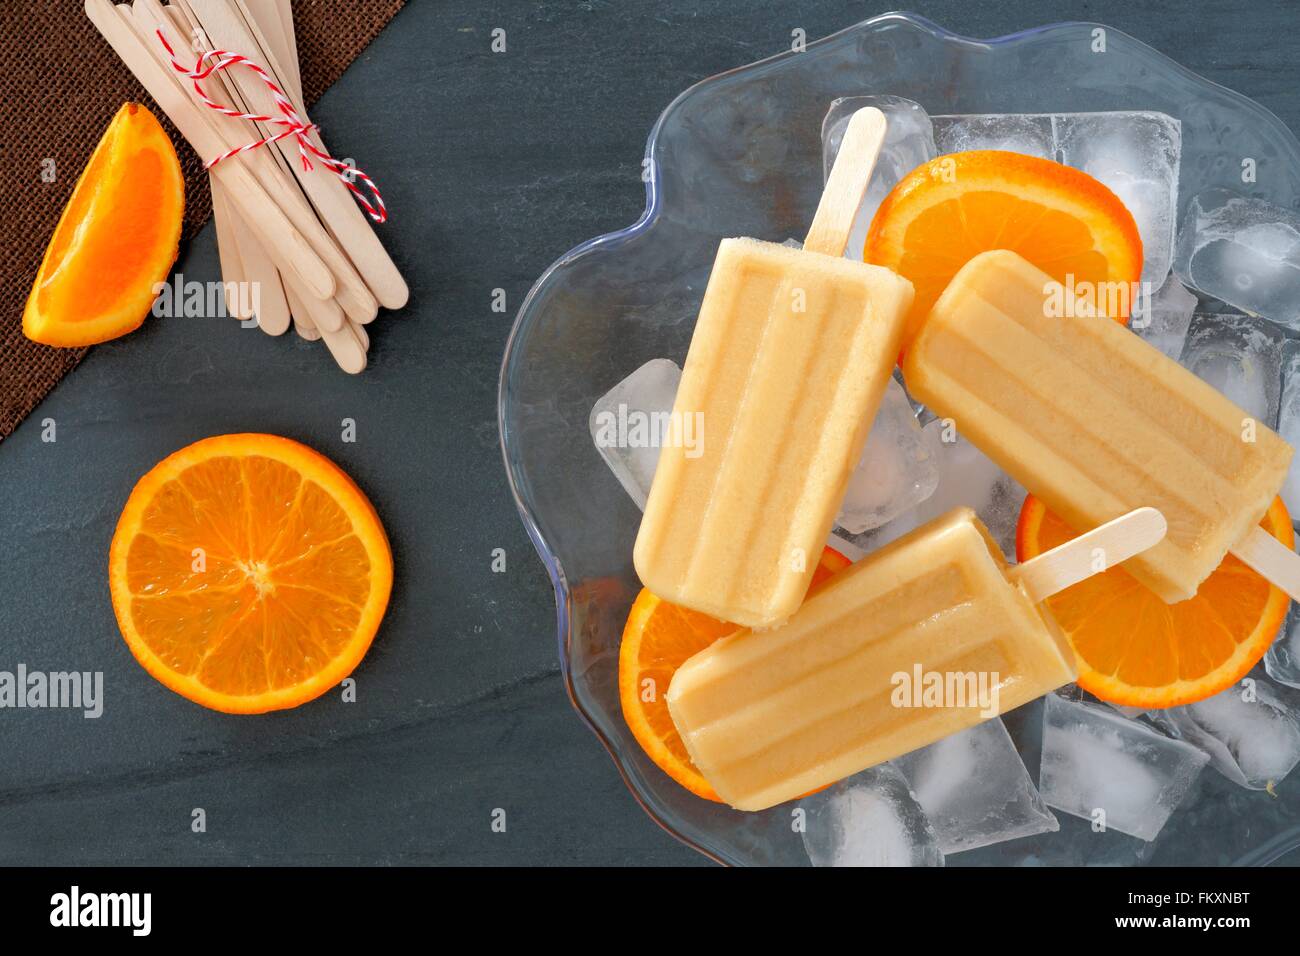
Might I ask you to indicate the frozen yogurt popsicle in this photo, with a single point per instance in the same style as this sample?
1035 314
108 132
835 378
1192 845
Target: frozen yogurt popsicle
1095 422
770 715
790 357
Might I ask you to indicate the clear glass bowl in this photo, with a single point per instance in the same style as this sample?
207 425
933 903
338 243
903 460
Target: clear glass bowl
740 155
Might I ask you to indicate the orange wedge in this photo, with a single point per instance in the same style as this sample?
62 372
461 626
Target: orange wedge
249 573
1135 649
952 208
116 240
657 639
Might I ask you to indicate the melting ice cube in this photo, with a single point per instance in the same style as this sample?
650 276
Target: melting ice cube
909 142
1029 133
870 819
969 477
966 477
1283 659
1076 844
1250 732
1115 772
1288 420
1136 155
629 424
898 469
1241 356
1243 251
1163 319
975 789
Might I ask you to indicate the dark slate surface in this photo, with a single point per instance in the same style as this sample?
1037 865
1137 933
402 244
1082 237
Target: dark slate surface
493 165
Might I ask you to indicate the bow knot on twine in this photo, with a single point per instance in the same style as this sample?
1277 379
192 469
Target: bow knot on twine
214 61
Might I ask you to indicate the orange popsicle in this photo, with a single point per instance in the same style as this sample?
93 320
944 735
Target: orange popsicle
926 637
790 357
1094 421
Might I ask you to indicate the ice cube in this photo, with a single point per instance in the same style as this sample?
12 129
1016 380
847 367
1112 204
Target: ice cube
969 477
1114 772
1132 713
1251 734
1283 659
1163 319
1136 155
1241 356
869 819
1243 251
858 546
1076 844
1029 133
909 142
1288 420
1076 693
898 469
975 789
966 477
630 423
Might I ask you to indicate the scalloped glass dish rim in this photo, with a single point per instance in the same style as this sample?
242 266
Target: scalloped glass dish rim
1275 848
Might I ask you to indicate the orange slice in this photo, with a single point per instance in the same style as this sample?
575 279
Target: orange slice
657 639
949 210
249 573
1135 649
116 240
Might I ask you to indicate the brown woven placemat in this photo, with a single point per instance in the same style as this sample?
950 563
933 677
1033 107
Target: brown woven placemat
60 84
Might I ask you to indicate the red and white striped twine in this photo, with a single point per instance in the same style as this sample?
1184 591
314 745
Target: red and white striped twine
293 124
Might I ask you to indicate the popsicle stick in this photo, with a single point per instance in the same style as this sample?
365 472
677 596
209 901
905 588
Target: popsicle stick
272 42
1262 552
847 183
150 15
1101 548
347 349
302 324
227 28
846 547
232 270
264 17
291 35
327 321
267 21
279 236
272 308
343 344
275 19
285 10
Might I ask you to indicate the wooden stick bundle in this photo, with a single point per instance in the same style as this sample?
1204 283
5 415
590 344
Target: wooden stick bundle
297 235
